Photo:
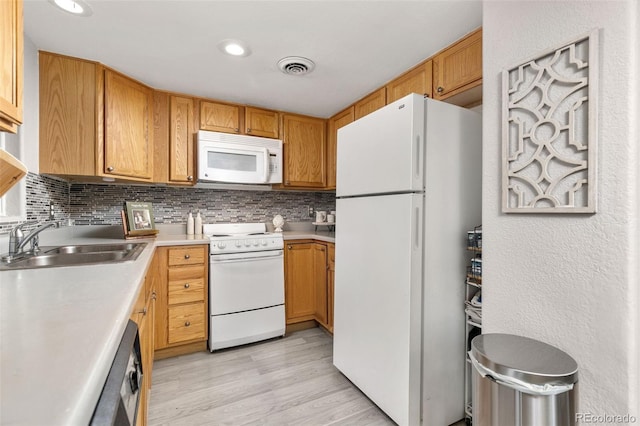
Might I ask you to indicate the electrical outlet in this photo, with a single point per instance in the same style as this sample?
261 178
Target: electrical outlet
311 211
51 212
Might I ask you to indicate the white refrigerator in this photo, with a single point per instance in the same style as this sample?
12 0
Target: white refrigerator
408 189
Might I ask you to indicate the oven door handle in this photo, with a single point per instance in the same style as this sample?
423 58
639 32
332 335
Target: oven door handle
246 257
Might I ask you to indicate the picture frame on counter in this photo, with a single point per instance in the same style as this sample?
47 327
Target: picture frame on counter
137 219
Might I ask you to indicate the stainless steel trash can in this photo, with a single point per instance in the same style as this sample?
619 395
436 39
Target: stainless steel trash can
522 382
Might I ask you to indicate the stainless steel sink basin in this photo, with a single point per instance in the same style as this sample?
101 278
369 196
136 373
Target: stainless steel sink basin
94 248
73 255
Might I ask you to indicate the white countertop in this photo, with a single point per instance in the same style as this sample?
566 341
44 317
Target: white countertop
329 237
61 327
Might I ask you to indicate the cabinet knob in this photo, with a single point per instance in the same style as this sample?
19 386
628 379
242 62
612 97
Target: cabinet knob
154 296
189 178
248 130
187 323
286 182
186 256
440 89
289 246
187 285
143 311
237 130
109 169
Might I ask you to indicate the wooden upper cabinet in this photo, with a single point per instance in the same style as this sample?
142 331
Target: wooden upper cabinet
261 122
372 102
220 117
458 67
181 140
128 127
417 80
11 65
68 99
94 122
337 121
305 146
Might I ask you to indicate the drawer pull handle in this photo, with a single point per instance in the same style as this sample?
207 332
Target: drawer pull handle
186 256
143 311
187 285
187 324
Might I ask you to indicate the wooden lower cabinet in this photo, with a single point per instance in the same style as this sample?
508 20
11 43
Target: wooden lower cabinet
308 282
182 299
143 315
331 274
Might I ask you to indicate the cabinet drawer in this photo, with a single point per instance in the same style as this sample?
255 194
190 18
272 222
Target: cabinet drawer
186 322
186 290
186 256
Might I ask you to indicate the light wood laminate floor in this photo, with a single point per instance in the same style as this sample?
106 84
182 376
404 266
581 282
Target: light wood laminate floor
288 381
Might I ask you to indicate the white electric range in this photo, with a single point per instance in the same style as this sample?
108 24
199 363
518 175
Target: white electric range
246 284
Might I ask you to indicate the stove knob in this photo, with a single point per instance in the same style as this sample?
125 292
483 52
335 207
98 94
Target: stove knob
221 245
247 243
238 244
256 243
264 242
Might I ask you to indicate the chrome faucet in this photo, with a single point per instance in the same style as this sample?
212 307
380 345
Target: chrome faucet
17 239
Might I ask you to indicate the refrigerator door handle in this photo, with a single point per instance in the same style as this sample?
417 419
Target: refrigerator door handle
416 227
417 156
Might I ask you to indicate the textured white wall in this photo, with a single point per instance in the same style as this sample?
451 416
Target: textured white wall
570 280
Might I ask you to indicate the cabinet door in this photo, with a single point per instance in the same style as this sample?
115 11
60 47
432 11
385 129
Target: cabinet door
67 115
299 259
181 140
219 117
374 101
128 127
261 122
331 271
11 65
305 144
417 80
339 120
459 67
320 282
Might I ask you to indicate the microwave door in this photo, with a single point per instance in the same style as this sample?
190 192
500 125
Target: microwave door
236 165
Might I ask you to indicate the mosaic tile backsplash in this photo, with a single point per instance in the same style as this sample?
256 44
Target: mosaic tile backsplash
97 204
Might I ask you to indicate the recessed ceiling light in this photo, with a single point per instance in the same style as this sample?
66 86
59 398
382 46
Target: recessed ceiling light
75 7
234 47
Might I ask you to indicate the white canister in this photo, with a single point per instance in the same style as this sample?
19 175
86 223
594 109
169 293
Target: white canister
331 218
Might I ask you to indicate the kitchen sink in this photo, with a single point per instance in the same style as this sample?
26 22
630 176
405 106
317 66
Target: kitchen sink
74 255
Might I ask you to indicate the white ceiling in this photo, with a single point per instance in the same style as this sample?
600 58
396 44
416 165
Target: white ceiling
172 45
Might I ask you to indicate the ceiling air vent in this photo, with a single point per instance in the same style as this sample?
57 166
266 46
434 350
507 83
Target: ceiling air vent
296 65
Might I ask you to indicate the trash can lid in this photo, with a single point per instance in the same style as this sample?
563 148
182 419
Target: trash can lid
525 359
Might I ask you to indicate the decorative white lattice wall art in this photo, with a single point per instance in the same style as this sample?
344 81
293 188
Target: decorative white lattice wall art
549 131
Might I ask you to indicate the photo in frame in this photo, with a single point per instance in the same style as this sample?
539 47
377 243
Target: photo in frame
139 218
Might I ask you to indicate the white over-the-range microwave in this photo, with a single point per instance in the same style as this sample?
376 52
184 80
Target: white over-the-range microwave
229 158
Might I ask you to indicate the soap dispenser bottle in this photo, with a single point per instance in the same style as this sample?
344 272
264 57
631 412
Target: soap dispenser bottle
198 224
190 224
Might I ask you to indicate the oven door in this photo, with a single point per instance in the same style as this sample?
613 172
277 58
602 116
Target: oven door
245 281
226 162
